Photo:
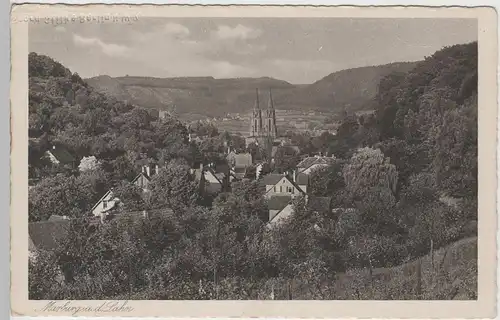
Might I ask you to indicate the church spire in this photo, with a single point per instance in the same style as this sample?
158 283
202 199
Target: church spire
270 105
271 117
257 106
256 117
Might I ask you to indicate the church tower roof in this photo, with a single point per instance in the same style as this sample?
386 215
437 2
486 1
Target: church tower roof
257 104
270 104
270 121
256 126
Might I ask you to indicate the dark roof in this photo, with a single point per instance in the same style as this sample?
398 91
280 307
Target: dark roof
278 202
302 179
240 170
62 155
139 175
319 203
272 178
46 235
213 187
309 161
221 167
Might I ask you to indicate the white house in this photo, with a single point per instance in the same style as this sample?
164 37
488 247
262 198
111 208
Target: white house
280 185
105 204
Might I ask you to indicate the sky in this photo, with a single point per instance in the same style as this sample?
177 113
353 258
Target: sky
297 50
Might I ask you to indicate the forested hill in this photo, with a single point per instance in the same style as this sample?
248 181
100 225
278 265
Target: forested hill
64 110
352 88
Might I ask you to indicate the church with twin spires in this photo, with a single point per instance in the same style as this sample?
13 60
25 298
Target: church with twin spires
263 126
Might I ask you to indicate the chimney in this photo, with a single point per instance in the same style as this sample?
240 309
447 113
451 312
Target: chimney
143 169
53 147
201 166
157 169
148 171
294 173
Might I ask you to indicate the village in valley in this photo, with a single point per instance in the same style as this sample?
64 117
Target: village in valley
359 184
235 164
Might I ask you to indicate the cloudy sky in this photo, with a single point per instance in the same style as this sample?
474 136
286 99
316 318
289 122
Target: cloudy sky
298 50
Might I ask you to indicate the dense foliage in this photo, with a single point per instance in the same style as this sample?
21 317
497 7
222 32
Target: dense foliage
404 184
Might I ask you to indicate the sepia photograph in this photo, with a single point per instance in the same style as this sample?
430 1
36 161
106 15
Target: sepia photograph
252 157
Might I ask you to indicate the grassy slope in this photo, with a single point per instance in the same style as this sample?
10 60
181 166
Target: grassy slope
454 276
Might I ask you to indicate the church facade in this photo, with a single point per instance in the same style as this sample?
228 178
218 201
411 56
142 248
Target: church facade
263 126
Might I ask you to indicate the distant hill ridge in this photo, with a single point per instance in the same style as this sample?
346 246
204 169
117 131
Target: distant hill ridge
349 88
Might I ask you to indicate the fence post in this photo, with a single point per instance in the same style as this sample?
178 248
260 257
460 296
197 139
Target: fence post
432 254
419 279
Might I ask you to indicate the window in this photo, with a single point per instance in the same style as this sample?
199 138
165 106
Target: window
274 188
289 189
105 204
281 189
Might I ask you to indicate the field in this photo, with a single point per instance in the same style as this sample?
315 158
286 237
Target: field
285 119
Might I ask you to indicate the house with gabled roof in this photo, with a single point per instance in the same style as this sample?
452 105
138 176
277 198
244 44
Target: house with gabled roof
142 180
316 204
60 155
277 204
239 163
309 164
105 205
280 185
213 178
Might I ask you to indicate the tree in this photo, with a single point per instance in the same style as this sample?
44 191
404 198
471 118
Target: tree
88 163
455 151
409 158
367 169
173 187
285 159
43 276
130 195
327 181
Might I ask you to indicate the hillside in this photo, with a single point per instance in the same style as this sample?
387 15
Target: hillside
352 88
452 277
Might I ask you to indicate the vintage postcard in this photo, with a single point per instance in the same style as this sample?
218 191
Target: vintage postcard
253 161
